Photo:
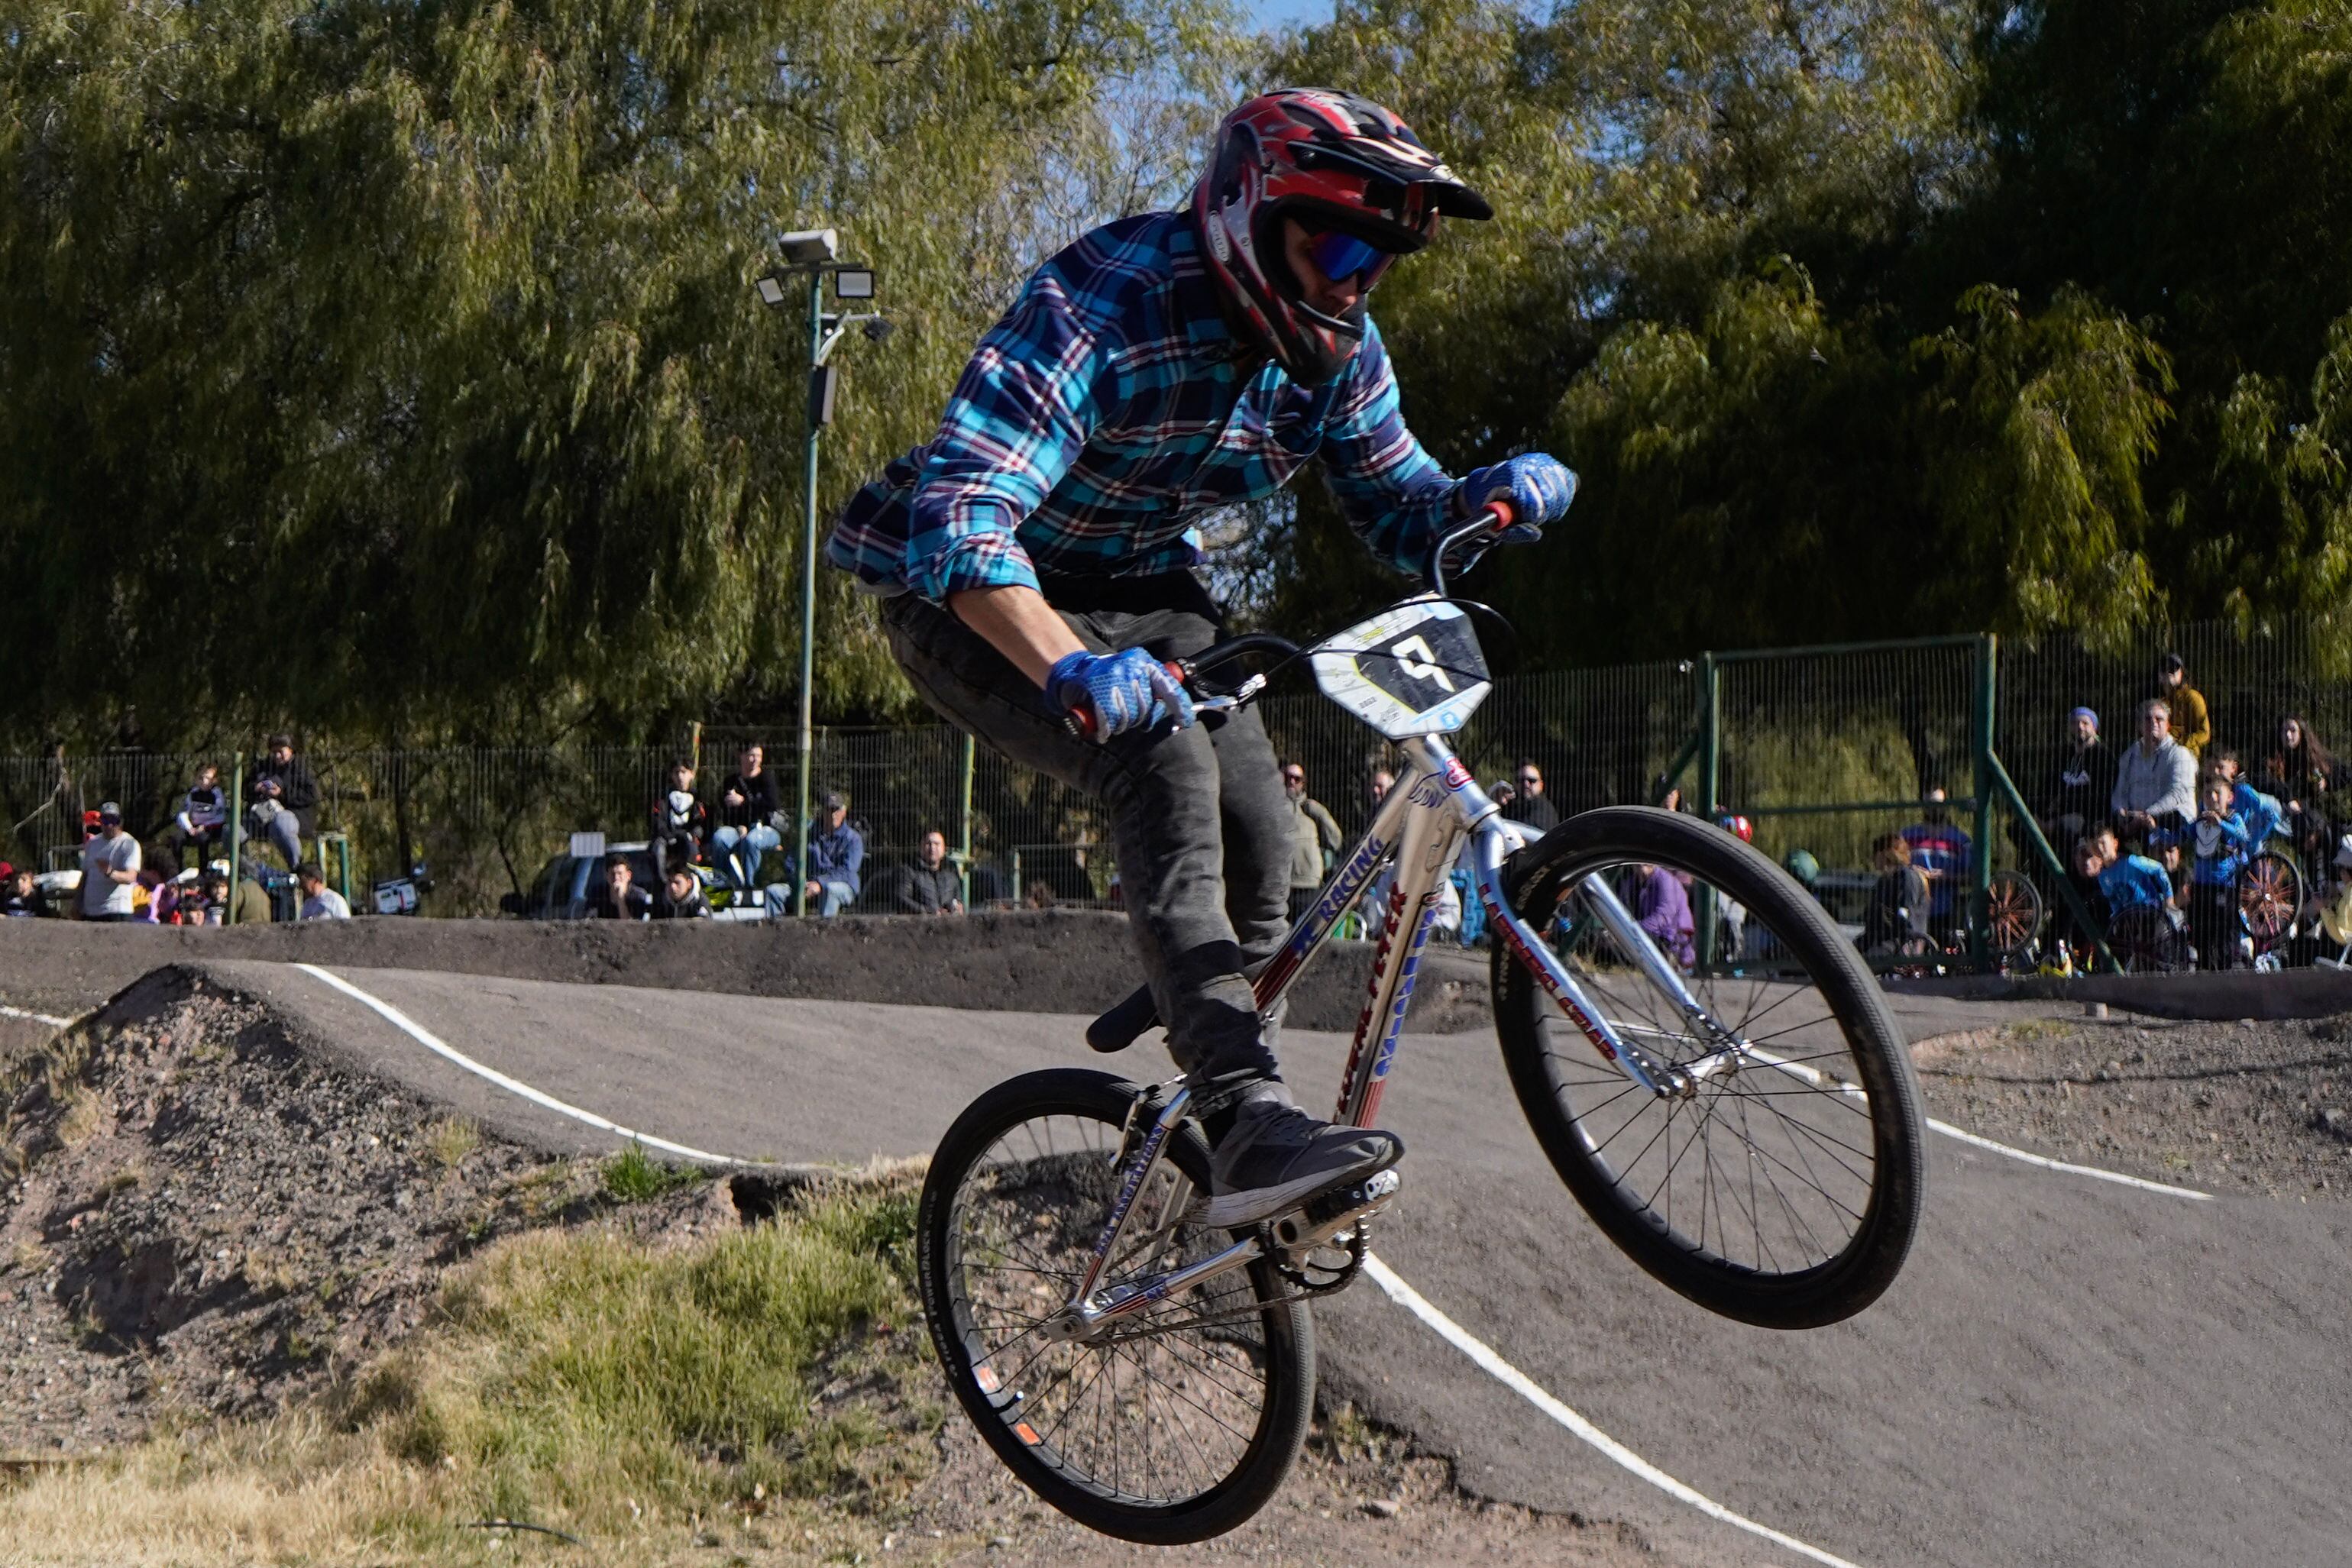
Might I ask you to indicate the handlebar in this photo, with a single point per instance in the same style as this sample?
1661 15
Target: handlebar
1493 518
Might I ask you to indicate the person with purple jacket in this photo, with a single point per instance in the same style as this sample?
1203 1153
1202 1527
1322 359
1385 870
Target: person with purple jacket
1662 905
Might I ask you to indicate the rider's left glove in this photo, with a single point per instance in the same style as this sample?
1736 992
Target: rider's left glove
1537 485
1125 690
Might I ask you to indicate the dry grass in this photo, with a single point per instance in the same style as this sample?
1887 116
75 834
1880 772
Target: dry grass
449 1140
736 1392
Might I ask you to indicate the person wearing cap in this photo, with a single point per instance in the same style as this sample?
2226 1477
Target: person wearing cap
1036 558
284 801
109 869
2192 721
836 853
2086 781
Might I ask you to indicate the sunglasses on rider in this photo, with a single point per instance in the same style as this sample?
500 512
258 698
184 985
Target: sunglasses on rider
1342 258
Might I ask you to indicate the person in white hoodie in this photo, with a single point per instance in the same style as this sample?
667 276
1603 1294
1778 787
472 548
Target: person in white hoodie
2155 777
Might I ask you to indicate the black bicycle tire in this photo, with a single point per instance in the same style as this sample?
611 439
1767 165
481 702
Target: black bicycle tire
1834 1288
1290 1335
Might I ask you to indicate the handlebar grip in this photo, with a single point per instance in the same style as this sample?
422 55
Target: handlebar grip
1082 721
1503 514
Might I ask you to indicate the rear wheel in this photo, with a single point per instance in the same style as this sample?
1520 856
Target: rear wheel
2144 941
1173 1428
2270 893
1782 1187
2012 916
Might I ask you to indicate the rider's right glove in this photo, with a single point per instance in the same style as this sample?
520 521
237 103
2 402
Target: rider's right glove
1125 690
1538 486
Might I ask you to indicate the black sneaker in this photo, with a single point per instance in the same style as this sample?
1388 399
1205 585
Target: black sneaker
1276 1157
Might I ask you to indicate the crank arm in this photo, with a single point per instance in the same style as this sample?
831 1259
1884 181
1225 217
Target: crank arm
1128 1301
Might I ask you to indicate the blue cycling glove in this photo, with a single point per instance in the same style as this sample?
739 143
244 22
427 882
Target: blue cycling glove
1125 690
1537 485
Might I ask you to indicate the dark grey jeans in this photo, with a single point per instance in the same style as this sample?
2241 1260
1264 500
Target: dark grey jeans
1202 828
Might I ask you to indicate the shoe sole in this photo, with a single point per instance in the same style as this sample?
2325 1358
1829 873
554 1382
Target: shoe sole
1264 1202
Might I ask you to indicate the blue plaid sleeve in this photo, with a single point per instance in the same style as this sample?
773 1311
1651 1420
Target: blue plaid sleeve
1020 417
1393 494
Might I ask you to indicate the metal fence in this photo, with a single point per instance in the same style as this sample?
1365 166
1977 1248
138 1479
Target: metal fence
1825 749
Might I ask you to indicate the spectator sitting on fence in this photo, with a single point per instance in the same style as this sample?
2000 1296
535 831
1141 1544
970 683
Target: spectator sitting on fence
1896 914
836 853
1527 804
21 898
678 819
681 897
2302 774
2326 913
2086 781
2155 778
203 816
618 897
320 902
1944 852
2217 845
747 819
2192 723
930 885
1315 839
109 869
1662 906
285 801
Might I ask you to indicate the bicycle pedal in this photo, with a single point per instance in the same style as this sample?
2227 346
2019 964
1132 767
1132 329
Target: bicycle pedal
1325 1217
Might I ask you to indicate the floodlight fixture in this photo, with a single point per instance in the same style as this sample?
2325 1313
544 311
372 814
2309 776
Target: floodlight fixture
853 283
810 247
771 291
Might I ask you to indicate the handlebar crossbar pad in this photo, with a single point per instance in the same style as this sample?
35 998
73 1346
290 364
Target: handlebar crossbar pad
1124 1024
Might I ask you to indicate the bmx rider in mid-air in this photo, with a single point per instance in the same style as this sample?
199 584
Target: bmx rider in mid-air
1038 554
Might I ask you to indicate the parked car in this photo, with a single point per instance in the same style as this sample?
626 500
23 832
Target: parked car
562 889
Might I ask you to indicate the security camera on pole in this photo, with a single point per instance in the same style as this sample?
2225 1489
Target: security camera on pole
811 251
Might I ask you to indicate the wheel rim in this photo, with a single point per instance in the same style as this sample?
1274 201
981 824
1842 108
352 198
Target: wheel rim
1769 1166
2011 912
2268 897
1156 1417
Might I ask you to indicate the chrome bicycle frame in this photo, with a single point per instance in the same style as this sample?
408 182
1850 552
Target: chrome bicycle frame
1421 826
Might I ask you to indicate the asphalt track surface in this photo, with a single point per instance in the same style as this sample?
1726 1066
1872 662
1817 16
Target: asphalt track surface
2069 1371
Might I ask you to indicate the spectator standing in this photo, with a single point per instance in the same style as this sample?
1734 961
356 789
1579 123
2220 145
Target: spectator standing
618 897
2302 774
1528 805
2192 721
930 885
747 819
320 902
2086 781
2155 777
681 897
284 801
203 817
836 853
1315 839
110 868
678 818
2216 844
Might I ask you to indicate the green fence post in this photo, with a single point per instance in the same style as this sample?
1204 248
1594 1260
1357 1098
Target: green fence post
2056 867
970 759
1710 783
234 827
1980 741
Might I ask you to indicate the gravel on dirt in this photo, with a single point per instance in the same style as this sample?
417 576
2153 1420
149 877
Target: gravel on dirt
2258 1106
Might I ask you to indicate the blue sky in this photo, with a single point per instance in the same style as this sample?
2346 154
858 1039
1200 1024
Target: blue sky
1285 13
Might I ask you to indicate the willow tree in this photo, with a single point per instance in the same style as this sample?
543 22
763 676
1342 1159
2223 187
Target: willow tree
397 369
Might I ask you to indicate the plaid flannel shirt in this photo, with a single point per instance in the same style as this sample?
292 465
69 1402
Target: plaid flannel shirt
1110 409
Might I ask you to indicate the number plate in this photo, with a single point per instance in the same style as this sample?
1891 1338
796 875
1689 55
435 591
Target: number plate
1412 670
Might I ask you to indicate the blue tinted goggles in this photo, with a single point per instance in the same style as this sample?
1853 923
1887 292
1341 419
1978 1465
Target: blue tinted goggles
1342 257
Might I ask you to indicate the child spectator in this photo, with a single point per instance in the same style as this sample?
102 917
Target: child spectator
2067 931
216 891
678 819
1662 908
23 898
203 816
1898 911
160 880
320 902
2129 882
2217 845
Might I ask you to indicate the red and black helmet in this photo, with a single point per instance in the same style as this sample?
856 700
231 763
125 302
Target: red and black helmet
1334 162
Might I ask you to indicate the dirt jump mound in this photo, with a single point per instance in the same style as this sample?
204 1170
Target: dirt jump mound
199 1215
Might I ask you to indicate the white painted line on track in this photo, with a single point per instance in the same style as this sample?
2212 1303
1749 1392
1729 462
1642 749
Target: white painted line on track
434 1043
48 1019
2049 1164
1519 1382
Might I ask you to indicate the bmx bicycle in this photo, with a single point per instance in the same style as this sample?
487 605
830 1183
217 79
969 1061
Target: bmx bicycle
1747 1131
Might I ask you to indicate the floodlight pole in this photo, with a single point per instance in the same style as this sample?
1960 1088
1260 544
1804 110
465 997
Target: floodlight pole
808 599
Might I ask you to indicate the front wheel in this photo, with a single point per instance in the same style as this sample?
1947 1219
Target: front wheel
1177 1427
1782 1185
